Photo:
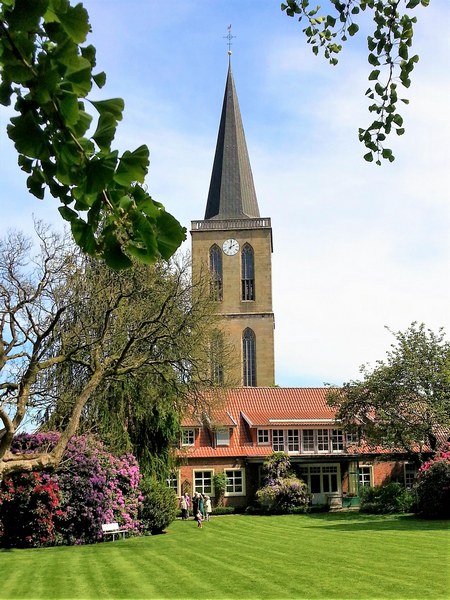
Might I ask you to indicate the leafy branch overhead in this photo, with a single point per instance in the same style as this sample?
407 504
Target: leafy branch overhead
49 73
389 54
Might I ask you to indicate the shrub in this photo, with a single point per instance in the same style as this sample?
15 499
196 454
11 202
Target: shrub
283 492
159 506
29 505
224 510
95 487
433 488
387 498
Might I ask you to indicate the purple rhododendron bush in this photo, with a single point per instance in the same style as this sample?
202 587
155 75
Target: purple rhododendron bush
69 505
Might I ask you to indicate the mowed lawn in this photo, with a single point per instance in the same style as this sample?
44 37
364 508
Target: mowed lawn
298 556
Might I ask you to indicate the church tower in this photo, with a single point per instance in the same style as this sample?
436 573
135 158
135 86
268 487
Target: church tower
234 245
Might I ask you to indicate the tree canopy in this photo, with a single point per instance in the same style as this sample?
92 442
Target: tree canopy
404 401
389 56
48 69
78 339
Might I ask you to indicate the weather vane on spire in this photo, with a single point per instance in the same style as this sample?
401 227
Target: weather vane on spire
229 37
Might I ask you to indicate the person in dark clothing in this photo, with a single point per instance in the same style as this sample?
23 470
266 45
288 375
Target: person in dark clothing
195 500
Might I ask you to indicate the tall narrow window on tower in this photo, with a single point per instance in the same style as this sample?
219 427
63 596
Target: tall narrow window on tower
249 358
217 358
215 269
248 273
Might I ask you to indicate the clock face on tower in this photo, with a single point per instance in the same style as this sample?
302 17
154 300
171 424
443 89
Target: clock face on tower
230 247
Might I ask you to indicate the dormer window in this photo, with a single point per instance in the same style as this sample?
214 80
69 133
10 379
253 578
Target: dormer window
263 437
188 437
223 437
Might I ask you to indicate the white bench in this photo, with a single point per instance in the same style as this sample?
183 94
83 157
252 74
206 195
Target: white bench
113 529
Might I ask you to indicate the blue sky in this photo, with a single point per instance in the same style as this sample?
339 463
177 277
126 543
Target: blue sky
356 247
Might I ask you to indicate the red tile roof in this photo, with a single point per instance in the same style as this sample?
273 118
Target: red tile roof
247 408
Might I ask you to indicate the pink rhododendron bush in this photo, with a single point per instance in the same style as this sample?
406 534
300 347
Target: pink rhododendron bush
68 506
433 487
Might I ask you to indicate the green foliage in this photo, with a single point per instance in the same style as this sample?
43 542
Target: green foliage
220 485
139 411
224 510
433 488
160 506
388 498
389 53
48 71
404 402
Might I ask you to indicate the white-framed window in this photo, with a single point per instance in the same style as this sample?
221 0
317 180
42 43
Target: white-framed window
308 441
410 475
351 438
235 482
293 440
323 440
330 478
173 482
203 482
321 479
188 437
337 440
223 437
278 440
365 475
263 437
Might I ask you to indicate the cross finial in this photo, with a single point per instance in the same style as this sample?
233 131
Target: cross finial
229 37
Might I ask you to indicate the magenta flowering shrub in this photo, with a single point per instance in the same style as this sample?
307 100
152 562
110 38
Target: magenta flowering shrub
30 506
433 487
95 486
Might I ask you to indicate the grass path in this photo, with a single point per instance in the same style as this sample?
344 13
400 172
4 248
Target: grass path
320 556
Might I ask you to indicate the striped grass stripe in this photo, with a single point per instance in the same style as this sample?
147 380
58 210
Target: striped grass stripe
321 556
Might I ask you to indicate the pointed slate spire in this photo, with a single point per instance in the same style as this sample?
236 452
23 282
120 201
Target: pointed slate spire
231 192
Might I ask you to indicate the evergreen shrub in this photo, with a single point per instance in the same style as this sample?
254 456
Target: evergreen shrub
384 499
159 506
224 510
